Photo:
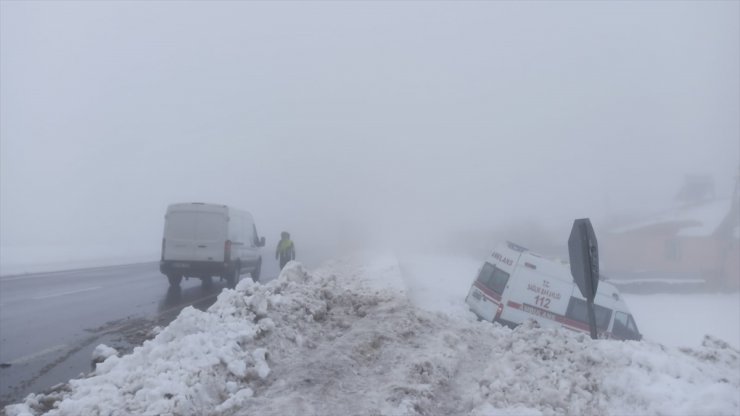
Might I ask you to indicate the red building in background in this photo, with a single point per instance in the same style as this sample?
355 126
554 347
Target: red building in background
697 240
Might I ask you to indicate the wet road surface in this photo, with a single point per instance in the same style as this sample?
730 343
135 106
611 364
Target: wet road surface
51 322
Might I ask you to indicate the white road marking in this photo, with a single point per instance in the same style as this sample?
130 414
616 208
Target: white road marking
53 295
37 354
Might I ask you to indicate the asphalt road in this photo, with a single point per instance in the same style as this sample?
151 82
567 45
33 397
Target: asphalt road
51 322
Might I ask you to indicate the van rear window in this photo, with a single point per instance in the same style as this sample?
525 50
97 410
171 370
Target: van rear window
578 311
493 278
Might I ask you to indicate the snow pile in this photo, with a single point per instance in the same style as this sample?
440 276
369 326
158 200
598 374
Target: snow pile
345 339
102 352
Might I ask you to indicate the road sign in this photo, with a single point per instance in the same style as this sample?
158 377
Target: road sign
584 264
584 257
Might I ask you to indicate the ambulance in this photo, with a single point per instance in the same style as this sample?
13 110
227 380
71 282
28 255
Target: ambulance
515 284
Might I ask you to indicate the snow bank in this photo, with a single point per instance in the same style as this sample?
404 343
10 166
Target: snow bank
344 339
102 352
683 320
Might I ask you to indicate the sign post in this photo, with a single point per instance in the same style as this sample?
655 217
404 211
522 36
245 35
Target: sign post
584 264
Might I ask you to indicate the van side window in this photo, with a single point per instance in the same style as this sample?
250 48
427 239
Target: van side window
493 278
578 311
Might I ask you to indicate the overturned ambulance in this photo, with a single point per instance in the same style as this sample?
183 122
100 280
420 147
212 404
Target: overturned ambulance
516 284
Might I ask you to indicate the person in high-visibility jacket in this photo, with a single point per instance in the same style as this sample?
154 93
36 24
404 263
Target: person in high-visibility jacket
285 250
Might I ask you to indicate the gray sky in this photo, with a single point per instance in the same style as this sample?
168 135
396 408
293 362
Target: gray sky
340 120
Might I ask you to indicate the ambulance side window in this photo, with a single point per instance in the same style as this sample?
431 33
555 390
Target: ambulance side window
493 278
578 311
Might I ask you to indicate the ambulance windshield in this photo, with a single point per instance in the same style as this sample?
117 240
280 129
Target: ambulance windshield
625 327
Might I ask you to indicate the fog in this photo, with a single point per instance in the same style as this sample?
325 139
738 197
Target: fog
355 123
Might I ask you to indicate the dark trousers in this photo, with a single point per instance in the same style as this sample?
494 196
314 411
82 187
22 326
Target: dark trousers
284 261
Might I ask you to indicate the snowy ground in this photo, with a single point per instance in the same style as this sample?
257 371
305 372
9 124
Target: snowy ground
36 259
372 335
677 320
683 320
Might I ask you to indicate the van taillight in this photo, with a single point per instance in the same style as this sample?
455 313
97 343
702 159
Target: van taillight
163 241
227 250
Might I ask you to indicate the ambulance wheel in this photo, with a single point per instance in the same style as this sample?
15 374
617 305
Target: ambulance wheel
174 279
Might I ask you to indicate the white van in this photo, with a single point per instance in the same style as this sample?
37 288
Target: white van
204 240
515 284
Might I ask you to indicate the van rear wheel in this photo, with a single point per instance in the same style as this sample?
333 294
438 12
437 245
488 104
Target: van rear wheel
174 279
233 278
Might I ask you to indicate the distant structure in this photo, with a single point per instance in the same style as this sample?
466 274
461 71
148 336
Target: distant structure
696 240
696 189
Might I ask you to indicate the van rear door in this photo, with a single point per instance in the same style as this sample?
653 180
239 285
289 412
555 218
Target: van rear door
195 236
210 236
